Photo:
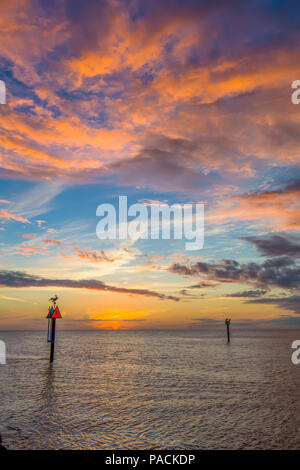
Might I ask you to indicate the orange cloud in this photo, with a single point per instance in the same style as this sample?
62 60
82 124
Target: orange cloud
93 256
6 215
278 209
207 84
25 41
31 250
97 102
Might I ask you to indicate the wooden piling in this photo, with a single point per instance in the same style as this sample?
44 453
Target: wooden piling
53 314
53 325
227 323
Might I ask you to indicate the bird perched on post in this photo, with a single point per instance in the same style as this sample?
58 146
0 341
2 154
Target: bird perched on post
53 299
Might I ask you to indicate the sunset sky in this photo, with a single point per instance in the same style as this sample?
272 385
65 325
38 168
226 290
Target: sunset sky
171 101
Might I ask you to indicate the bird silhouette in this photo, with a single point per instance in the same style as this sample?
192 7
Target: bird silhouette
53 299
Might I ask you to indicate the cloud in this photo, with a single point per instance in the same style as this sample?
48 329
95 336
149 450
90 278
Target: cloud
279 209
19 46
5 297
38 199
285 321
206 323
86 254
29 235
282 321
31 250
203 285
93 256
276 245
291 303
19 279
6 215
280 272
52 241
93 81
165 164
248 293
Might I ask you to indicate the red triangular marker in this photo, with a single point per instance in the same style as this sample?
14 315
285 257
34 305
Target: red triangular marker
56 313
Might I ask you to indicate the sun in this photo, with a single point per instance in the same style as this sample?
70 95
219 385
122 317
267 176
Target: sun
117 319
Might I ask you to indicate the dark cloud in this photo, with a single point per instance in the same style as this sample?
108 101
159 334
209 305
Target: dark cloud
184 292
248 293
187 295
280 272
290 187
17 279
293 186
202 285
165 164
276 245
285 321
206 323
282 321
291 303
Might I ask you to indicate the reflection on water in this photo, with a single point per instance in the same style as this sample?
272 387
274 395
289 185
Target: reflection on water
146 390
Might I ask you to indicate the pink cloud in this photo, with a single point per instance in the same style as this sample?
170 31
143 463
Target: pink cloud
29 235
41 222
31 250
6 215
93 256
52 241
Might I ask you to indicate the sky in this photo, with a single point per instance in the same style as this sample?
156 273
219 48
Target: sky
162 101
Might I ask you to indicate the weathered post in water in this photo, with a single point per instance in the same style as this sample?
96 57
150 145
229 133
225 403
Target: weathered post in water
227 323
53 314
